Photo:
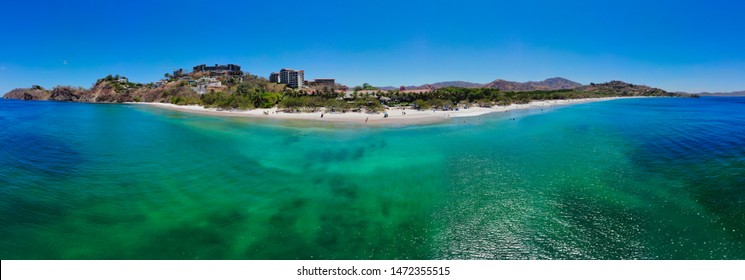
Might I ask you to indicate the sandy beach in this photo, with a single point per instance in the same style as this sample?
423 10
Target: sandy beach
396 115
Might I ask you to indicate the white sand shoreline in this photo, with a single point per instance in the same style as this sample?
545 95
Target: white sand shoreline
395 114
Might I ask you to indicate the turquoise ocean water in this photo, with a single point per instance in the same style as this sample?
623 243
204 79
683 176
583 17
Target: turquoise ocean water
651 178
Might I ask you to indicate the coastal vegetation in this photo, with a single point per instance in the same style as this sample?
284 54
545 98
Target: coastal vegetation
448 97
258 93
248 91
365 86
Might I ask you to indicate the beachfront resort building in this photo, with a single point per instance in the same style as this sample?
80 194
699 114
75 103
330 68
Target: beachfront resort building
230 69
274 77
289 77
296 79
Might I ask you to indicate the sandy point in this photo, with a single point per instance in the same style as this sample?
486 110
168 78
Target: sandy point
395 115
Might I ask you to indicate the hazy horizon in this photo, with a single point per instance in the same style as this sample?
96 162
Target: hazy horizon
673 45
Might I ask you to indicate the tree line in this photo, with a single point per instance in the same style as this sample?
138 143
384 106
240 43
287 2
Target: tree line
256 93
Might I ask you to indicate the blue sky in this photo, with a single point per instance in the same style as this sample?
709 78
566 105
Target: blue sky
674 45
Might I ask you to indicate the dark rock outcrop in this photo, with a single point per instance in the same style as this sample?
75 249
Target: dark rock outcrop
33 93
65 93
110 89
106 92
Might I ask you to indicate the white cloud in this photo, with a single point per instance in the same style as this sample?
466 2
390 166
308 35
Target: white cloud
64 62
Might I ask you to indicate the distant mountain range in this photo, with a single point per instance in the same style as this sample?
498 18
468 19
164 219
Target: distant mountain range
733 93
547 84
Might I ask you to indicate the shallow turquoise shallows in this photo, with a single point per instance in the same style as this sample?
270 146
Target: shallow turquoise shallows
648 178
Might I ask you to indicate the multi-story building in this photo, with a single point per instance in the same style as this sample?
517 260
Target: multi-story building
178 73
230 69
284 75
274 77
291 78
297 78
